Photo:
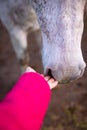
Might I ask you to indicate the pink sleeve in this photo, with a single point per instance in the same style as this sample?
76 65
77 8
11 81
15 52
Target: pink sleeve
24 107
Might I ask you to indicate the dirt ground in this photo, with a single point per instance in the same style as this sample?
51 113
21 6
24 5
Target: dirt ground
68 106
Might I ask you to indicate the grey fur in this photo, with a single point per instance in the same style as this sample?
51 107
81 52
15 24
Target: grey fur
61 22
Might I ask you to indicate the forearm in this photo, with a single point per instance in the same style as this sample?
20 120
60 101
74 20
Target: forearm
26 104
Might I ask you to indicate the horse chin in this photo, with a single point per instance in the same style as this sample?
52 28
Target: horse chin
60 79
65 81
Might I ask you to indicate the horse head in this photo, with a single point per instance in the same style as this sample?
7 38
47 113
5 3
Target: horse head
62 26
61 23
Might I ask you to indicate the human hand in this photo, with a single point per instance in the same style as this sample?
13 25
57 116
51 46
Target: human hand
51 81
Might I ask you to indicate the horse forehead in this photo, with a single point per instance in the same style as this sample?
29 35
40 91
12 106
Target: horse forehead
54 10
51 5
50 12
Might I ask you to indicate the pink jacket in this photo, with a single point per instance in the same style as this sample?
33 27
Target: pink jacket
24 107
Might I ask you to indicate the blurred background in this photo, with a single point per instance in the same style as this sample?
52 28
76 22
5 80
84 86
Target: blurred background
68 106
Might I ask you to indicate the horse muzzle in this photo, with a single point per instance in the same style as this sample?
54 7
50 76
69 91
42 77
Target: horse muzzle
65 74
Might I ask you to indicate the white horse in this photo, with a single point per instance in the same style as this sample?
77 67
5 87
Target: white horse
61 23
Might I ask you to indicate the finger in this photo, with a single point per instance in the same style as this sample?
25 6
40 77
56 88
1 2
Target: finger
47 78
29 69
53 85
52 80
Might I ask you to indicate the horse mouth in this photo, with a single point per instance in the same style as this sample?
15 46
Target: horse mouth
48 72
